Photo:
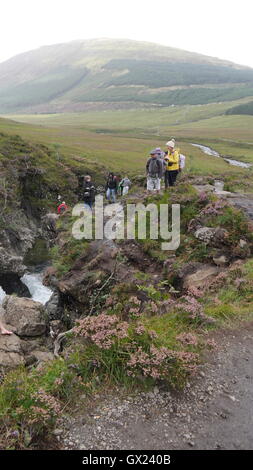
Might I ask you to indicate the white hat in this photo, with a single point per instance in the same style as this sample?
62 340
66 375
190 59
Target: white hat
171 143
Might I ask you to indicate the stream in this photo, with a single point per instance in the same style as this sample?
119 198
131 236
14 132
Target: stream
33 281
213 153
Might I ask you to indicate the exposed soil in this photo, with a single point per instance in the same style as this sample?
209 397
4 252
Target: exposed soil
214 411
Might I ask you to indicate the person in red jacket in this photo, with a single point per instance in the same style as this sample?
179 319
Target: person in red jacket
62 208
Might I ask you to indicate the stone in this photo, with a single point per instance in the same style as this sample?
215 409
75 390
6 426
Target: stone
204 188
43 356
221 260
53 307
11 354
205 234
25 316
242 243
210 235
203 274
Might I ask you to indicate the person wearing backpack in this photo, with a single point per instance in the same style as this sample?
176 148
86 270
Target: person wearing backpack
154 169
88 192
172 164
111 187
125 184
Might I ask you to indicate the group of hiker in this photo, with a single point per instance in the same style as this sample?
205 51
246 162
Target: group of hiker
165 164
160 164
115 186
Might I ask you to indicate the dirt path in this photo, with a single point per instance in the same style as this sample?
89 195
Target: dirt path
214 412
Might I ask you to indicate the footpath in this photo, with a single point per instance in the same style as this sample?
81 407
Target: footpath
213 412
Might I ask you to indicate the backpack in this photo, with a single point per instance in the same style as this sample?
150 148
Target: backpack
88 191
155 168
181 161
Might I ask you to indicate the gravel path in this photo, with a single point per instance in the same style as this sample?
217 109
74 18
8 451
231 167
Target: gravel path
214 412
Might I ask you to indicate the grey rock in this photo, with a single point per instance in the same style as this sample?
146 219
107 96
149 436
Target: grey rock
10 351
26 316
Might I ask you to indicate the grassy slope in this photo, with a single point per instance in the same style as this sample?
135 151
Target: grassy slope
121 140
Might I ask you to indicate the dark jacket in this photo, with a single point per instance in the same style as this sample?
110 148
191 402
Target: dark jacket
111 183
88 191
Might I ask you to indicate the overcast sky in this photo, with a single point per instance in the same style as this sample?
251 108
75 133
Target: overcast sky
220 28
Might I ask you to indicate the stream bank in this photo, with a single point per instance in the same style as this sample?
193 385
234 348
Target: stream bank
213 153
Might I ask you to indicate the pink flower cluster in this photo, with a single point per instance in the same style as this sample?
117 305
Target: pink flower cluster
135 305
188 338
159 361
214 208
102 330
48 401
191 306
195 291
140 330
203 196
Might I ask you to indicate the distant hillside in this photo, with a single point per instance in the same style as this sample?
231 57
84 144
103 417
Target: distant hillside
246 108
94 73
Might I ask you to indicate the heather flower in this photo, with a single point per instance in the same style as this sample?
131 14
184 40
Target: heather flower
140 329
203 196
214 208
152 334
212 343
50 402
103 330
191 306
134 300
195 291
188 339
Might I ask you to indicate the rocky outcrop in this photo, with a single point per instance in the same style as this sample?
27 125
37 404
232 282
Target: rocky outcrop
11 284
195 274
53 307
201 276
29 344
16 241
11 354
25 316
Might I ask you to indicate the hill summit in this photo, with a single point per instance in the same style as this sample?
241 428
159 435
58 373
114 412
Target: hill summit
100 73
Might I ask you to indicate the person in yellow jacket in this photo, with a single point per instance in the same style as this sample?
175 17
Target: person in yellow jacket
172 164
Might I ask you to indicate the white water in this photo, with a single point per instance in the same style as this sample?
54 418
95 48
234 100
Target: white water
2 295
38 291
213 153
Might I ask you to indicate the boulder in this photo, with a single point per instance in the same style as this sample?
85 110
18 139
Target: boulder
205 234
53 306
204 188
43 356
25 316
212 236
10 351
201 276
12 284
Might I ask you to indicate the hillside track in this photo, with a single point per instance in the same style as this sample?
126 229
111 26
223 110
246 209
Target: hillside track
213 412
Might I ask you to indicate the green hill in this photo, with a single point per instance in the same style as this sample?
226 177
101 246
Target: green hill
105 73
245 108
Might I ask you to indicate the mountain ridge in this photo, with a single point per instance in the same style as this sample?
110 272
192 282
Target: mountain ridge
71 75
